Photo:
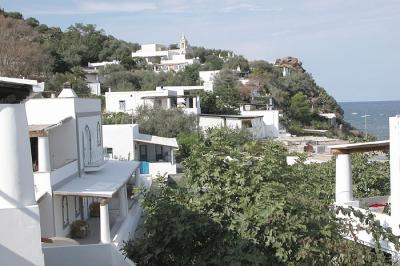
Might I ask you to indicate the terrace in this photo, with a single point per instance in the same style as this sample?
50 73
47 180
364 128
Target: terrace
118 214
377 204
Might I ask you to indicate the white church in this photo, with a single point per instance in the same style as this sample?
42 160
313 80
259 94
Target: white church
164 59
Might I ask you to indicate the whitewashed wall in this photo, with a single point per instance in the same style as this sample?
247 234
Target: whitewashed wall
270 119
133 99
206 122
63 144
119 138
87 255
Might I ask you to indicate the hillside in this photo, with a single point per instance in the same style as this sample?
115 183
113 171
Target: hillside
33 50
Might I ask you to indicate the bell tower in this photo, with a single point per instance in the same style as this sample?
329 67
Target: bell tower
183 44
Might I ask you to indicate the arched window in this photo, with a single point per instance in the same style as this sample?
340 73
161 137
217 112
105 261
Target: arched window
64 207
87 146
99 134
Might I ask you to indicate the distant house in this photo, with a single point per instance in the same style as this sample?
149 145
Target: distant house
156 154
330 116
164 59
93 76
36 86
253 123
207 78
270 118
129 101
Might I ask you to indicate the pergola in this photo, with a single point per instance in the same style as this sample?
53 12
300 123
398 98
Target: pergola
103 184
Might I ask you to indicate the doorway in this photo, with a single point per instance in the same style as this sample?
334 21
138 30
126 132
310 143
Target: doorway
143 153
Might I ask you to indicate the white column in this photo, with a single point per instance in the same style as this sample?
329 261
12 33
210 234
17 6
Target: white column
344 180
44 154
172 156
394 124
104 222
123 201
168 103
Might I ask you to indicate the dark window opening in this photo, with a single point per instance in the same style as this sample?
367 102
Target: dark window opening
34 154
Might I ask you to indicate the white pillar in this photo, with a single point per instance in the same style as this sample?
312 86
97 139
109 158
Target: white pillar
168 103
394 124
104 222
172 155
44 154
123 201
344 180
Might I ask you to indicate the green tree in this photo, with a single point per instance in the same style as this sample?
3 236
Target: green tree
300 108
237 61
242 204
164 123
211 103
122 81
75 77
226 89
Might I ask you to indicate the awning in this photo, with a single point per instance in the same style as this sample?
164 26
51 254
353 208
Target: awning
41 130
103 184
170 142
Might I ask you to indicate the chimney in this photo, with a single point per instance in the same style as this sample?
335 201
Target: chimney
67 91
19 213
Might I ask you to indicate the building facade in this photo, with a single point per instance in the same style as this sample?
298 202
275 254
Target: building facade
164 59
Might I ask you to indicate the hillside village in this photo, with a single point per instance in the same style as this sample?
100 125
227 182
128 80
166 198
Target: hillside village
108 142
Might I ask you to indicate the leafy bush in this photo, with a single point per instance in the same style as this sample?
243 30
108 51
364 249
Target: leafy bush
243 205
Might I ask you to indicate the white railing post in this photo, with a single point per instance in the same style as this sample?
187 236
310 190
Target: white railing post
344 180
104 222
394 124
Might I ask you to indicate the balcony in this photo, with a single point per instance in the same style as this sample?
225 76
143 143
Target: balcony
377 206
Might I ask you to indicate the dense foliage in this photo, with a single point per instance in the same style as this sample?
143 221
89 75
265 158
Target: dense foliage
164 123
241 204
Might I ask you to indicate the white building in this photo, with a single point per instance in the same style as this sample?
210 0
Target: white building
36 86
331 118
207 78
52 156
376 204
129 101
253 123
164 59
270 119
156 154
93 76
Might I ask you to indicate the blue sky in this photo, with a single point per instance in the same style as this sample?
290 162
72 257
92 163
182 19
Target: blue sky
352 48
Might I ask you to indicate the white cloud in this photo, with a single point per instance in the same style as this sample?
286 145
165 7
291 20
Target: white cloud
106 7
248 7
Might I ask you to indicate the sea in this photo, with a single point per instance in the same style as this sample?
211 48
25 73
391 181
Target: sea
371 116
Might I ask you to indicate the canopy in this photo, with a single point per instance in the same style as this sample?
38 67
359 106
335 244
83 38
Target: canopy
103 183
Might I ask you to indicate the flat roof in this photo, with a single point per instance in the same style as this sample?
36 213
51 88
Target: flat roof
41 129
360 147
103 184
170 142
232 116
14 91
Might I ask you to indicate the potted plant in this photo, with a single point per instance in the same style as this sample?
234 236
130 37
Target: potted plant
79 229
94 209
